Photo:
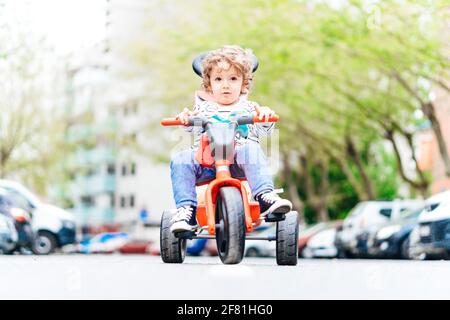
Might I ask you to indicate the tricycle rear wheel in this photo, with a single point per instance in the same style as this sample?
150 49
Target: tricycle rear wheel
173 249
287 240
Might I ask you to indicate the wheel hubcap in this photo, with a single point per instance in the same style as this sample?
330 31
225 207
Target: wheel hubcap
43 244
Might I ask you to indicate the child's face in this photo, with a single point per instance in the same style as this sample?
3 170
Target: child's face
226 84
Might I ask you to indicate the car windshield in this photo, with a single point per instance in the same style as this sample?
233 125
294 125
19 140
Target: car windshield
19 200
3 224
357 210
410 213
21 190
311 229
430 207
5 202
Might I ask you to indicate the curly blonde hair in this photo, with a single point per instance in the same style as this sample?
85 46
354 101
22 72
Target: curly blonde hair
227 57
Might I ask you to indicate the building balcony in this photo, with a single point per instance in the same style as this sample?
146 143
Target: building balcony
93 185
95 156
89 215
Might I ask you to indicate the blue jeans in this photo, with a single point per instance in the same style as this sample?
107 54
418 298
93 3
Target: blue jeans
250 162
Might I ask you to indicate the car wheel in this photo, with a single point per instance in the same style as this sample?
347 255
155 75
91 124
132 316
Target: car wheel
45 243
341 254
413 254
8 252
252 252
405 252
447 255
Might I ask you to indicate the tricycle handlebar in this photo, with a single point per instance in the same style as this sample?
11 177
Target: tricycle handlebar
202 120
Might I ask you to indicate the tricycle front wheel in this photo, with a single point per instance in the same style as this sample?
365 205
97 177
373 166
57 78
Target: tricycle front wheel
230 225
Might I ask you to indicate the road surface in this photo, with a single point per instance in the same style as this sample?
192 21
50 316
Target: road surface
146 277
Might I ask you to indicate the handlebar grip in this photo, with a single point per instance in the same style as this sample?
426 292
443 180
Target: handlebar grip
273 118
171 122
247 119
197 121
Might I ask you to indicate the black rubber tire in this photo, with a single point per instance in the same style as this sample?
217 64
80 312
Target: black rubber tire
230 225
173 249
8 252
404 249
48 239
342 254
287 240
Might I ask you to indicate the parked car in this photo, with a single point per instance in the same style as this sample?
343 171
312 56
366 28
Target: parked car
351 240
415 252
262 248
195 247
253 248
136 246
434 227
107 242
391 240
211 248
306 232
54 227
26 235
21 220
322 244
8 235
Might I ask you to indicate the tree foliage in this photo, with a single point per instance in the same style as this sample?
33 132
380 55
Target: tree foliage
31 107
346 79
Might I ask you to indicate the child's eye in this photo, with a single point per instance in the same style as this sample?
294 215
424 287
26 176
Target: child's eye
217 79
234 78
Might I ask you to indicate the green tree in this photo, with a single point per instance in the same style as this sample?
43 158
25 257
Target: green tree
31 108
344 79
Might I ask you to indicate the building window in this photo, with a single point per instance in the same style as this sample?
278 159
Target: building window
133 168
122 202
111 168
386 212
112 200
87 200
124 169
132 201
90 172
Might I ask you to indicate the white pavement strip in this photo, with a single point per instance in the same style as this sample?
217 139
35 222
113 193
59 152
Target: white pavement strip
147 277
231 271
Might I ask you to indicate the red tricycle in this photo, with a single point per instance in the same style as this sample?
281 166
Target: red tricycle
225 210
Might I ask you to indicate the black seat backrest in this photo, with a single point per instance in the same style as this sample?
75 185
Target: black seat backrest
197 63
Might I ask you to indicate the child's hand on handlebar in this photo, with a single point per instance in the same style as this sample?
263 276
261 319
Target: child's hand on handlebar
265 113
185 114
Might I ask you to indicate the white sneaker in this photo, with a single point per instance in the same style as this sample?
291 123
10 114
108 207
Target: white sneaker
184 219
270 202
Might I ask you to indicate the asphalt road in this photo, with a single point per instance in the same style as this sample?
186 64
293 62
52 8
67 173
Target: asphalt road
146 277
